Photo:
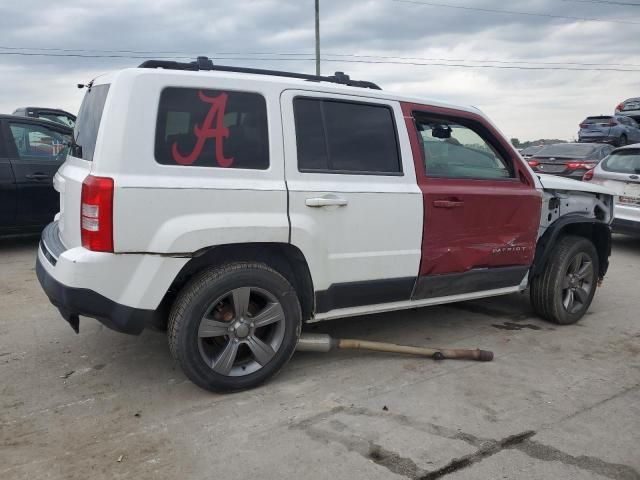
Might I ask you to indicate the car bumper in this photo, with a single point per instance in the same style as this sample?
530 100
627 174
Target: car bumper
122 291
597 139
627 227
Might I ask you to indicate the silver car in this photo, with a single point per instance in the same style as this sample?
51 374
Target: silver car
620 173
630 107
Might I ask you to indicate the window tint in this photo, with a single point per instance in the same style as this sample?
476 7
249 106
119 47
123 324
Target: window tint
456 151
88 121
38 142
212 128
345 137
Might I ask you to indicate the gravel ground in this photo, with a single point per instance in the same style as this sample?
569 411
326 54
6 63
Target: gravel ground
557 402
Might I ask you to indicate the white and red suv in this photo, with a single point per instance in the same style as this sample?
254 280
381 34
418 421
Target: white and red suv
236 204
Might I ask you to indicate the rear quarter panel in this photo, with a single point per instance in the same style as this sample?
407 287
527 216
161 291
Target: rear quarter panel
177 209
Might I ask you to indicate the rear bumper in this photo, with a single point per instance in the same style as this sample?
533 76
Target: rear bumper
122 291
598 139
627 227
72 302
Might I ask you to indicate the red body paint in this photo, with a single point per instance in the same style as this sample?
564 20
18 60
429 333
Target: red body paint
207 131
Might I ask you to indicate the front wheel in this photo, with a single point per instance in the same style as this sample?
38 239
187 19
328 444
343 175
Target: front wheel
564 290
235 326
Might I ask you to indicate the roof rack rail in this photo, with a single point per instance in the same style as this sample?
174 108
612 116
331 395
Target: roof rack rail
204 63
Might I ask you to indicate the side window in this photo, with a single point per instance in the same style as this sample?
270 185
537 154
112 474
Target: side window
38 142
335 136
212 128
453 150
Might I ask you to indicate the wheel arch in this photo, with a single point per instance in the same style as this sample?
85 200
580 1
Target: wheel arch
595 230
284 258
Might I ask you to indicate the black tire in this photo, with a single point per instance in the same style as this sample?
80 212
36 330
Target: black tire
622 141
198 299
549 291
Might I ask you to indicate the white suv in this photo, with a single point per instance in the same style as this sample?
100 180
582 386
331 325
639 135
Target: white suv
237 204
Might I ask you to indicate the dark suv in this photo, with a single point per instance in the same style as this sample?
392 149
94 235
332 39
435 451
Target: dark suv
31 150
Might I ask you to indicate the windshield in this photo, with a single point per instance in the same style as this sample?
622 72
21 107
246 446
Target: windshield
571 150
623 161
531 150
88 121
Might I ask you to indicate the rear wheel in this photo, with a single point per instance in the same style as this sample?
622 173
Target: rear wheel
234 327
563 292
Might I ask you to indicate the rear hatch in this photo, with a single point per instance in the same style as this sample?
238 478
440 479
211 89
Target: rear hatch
597 126
68 180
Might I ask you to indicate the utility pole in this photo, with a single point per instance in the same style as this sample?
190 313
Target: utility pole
317 37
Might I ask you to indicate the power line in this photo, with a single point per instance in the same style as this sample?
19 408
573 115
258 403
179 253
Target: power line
606 2
225 55
513 12
346 60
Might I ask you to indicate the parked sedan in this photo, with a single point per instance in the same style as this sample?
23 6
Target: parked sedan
615 129
570 160
620 173
31 150
630 107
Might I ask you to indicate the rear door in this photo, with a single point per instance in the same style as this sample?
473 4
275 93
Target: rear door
7 185
481 207
354 205
36 153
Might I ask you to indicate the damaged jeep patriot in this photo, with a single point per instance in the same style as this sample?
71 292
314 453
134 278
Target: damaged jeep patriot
231 205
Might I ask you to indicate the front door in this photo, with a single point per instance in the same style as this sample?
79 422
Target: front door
38 152
482 210
354 204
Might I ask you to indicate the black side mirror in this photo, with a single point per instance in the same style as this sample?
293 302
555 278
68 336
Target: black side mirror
441 131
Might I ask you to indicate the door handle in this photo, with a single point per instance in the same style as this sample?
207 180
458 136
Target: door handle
447 203
327 201
37 176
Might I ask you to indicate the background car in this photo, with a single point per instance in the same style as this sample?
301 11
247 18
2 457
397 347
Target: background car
31 150
630 108
52 114
615 129
530 151
570 160
620 172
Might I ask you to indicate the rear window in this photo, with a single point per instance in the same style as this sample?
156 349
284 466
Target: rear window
85 132
623 161
595 120
345 137
212 128
570 150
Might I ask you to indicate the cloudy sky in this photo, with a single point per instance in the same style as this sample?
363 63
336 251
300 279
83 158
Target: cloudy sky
542 98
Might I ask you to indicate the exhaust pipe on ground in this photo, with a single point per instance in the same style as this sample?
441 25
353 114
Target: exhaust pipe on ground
321 342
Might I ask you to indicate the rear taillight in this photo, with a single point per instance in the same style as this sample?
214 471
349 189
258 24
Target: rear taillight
583 125
96 214
533 163
588 175
613 122
620 107
576 165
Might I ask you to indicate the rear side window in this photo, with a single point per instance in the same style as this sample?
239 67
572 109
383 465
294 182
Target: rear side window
86 130
212 128
345 137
